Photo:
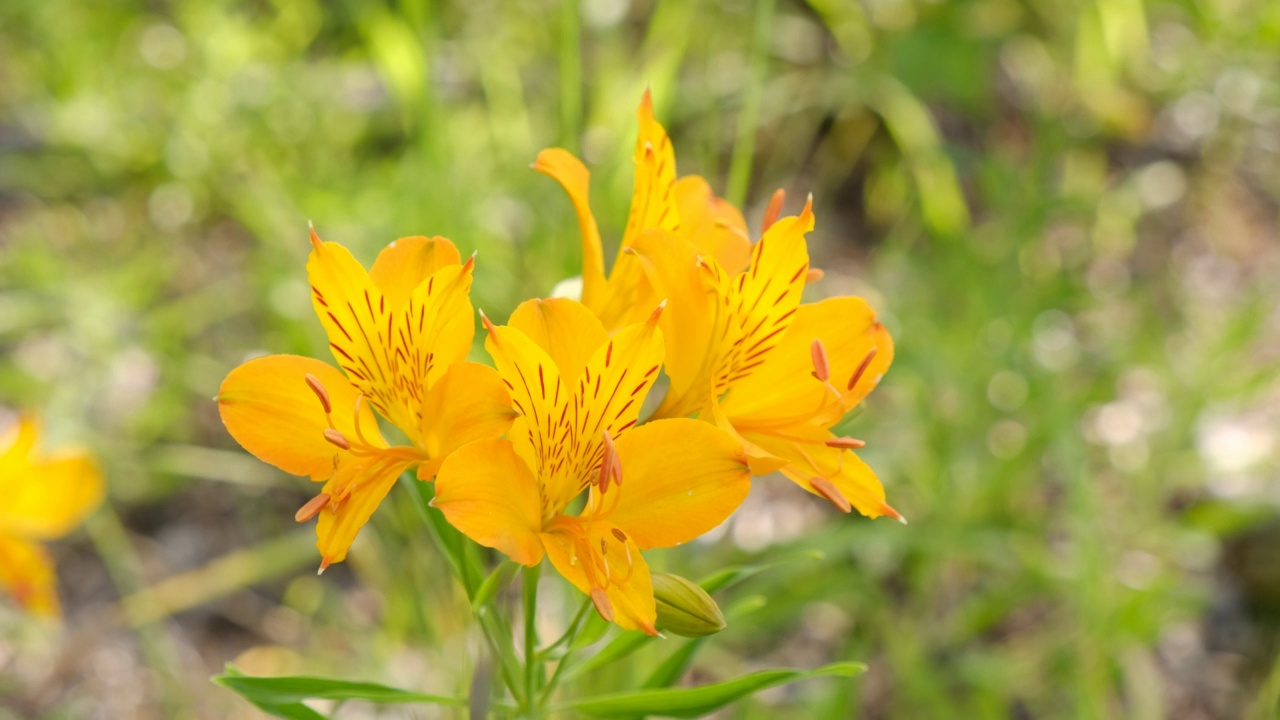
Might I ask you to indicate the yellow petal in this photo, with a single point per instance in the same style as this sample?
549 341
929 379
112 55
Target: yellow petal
48 498
19 440
761 461
436 329
620 571
391 353
356 490
270 410
537 392
692 323
468 403
406 263
714 226
681 478
564 168
653 202
628 295
764 298
565 329
844 470
26 575
783 390
488 493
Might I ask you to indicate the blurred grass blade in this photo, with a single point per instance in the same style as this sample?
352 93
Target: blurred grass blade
907 119
695 702
286 691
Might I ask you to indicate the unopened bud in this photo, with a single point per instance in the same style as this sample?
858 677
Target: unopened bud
684 608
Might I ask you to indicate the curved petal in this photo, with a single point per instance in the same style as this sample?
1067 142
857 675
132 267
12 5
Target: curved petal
763 299
712 224
392 354
620 571
487 492
468 403
561 166
268 407
19 442
50 496
26 575
356 490
681 478
537 392
783 390
565 329
435 330
653 202
846 473
407 262
692 323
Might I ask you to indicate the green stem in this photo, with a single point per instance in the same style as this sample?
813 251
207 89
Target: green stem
570 75
569 636
745 141
531 663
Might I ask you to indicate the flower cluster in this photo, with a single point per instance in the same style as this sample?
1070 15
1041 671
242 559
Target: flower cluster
547 452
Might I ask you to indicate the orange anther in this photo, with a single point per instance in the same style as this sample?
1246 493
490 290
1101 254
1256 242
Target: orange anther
774 209
600 599
826 489
622 537
862 368
313 382
607 462
814 275
312 508
821 368
846 443
337 438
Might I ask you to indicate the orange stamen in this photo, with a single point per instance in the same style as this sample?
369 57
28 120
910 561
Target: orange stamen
814 275
774 209
337 438
826 489
312 508
846 443
821 367
600 599
607 462
622 537
862 368
313 382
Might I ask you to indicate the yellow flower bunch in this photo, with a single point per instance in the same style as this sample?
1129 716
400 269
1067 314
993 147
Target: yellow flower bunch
548 453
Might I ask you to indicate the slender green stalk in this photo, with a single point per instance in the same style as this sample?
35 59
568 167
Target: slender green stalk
744 145
570 75
531 662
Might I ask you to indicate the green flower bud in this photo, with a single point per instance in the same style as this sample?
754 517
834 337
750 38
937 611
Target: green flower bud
684 608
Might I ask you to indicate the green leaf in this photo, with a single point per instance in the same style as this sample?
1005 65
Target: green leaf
695 702
283 696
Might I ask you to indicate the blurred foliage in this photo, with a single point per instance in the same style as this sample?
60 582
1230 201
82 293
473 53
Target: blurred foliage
1066 213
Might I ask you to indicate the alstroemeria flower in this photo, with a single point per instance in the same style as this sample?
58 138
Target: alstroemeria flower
684 206
400 333
44 497
744 351
579 392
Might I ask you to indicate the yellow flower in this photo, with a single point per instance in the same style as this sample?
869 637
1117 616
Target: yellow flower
44 498
579 392
400 333
744 350
685 206
736 324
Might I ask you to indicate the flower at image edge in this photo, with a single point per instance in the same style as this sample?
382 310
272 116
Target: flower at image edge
400 333
579 392
44 497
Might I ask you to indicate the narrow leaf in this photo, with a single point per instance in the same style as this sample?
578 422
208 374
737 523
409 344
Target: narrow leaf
281 691
695 702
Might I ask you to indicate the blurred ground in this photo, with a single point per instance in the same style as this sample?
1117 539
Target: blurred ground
1066 213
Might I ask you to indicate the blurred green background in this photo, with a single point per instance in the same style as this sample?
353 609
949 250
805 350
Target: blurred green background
1066 212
